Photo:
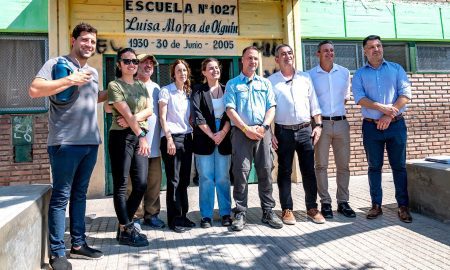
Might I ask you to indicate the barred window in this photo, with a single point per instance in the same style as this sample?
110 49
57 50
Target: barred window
397 53
22 57
433 57
351 54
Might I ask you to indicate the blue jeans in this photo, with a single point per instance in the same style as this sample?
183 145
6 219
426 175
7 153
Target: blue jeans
71 166
213 170
394 138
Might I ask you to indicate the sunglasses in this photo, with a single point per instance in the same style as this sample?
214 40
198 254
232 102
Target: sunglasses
129 61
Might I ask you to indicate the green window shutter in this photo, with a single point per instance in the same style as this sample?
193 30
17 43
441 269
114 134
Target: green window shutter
322 19
369 18
418 21
445 11
24 16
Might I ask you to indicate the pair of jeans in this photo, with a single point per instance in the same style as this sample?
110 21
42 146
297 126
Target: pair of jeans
394 139
289 142
71 166
125 161
213 171
178 173
244 152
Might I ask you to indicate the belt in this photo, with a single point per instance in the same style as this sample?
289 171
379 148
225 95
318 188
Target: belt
295 127
395 119
334 118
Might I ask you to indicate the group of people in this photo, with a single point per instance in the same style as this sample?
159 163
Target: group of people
220 125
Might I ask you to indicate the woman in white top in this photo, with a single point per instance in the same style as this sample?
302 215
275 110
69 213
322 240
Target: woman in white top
212 144
176 144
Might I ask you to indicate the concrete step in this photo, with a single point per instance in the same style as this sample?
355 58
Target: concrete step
23 226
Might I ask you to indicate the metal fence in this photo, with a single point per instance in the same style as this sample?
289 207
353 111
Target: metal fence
21 57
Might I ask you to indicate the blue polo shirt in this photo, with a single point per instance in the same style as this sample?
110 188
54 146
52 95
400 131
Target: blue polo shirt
383 85
250 98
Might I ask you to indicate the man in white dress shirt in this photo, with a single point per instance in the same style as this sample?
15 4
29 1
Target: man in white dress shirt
332 85
294 91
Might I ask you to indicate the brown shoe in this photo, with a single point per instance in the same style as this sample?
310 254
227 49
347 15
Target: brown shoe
315 216
374 212
288 217
404 215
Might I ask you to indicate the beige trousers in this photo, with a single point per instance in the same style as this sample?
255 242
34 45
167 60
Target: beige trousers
336 134
151 203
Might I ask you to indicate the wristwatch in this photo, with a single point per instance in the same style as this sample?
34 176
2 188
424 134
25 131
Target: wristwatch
319 125
142 134
266 127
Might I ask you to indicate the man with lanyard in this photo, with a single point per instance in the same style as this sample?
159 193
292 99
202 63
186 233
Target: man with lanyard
332 85
382 89
250 104
73 141
294 91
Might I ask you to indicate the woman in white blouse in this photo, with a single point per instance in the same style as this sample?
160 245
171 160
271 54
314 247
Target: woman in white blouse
176 144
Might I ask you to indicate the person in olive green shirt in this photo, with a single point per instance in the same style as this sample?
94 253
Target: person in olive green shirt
128 147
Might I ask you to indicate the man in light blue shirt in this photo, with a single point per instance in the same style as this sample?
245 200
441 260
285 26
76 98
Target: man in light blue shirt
383 90
250 104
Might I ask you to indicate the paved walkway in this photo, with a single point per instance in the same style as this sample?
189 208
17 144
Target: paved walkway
340 243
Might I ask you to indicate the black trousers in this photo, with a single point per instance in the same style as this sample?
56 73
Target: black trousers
289 142
123 149
178 173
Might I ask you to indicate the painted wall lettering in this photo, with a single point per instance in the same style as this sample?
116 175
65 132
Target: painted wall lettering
182 17
190 46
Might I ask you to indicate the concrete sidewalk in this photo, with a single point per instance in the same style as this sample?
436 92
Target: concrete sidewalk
340 243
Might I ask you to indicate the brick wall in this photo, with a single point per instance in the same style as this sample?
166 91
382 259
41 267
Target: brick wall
34 172
428 121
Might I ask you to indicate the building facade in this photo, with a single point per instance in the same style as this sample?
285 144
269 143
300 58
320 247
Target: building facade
415 34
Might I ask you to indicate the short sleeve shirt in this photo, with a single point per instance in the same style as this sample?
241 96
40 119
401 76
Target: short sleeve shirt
135 95
178 109
73 122
250 98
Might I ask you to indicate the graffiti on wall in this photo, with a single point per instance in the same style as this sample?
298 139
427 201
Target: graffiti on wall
22 130
104 45
267 48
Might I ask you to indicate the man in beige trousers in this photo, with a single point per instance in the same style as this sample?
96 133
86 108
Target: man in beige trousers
332 84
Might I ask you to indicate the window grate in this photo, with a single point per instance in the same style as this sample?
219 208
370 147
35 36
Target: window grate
351 54
22 58
433 58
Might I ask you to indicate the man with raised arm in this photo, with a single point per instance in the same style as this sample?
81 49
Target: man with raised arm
73 141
